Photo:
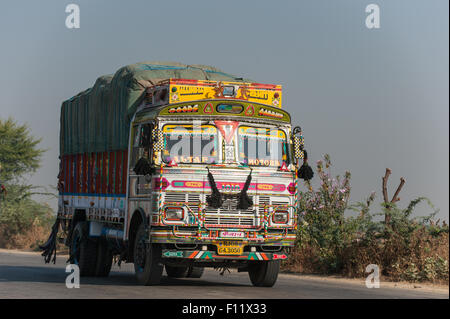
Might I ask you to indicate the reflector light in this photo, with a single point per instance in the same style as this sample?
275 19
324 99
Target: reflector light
291 188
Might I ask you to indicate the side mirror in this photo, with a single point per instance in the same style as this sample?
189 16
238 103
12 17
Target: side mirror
297 142
158 140
305 172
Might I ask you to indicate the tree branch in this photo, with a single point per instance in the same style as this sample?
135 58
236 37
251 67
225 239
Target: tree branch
385 179
399 188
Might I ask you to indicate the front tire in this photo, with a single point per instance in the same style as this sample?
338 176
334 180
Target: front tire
147 259
264 273
83 250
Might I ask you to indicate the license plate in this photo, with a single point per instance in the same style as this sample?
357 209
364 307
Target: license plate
232 234
230 247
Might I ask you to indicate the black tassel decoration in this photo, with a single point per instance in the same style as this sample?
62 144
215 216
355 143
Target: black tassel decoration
49 248
305 172
215 199
244 200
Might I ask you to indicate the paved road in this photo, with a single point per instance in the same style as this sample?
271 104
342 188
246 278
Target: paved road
24 275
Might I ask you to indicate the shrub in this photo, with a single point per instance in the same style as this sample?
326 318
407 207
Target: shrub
24 223
331 242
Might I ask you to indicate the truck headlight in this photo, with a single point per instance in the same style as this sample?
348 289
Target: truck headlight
174 213
280 217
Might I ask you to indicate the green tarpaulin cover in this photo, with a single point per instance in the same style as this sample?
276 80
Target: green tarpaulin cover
98 119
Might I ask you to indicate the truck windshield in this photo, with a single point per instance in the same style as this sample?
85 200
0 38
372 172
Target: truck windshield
184 143
262 146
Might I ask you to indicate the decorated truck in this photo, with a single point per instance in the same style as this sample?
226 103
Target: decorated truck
178 167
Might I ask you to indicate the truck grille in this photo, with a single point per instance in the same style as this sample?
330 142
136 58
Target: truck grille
228 215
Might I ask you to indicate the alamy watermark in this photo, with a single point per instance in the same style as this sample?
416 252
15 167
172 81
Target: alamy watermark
373 19
373 280
73 19
73 279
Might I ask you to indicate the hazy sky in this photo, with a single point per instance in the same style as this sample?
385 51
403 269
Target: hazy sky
371 98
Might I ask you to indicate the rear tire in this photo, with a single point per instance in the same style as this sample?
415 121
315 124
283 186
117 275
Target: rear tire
264 273
176 272
147 259
195 272
104 259
83 250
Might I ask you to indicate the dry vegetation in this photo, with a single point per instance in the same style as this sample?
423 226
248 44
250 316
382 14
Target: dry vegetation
328 242
27 240
24 223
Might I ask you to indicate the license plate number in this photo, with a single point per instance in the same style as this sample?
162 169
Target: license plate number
232 234
230 248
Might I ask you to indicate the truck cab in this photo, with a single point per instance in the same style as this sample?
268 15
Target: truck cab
211 180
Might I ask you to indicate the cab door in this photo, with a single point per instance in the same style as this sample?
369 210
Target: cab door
139 174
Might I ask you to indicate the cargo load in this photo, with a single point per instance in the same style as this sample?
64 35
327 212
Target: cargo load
97 119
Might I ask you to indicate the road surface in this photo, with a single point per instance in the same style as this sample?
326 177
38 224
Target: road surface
24 275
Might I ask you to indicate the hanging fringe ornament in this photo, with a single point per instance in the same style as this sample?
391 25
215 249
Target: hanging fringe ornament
305 172
49 248
222 270
244 200
215 199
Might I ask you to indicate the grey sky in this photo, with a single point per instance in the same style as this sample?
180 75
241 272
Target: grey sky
370 98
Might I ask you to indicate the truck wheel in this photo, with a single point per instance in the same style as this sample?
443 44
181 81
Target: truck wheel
83 250
264 273
147 259
176 272
195 272
104 259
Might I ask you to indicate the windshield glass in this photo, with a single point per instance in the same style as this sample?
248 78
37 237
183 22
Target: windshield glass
262 146
185 143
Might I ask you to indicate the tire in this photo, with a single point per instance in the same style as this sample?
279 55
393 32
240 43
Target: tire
147 259
176 272
83 250
264 273
195 272
104 259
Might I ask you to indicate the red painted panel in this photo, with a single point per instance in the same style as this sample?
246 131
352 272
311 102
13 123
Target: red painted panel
93 165
81 183
118 172
85 166
98 173
87 171
104 172
71 172
124 172
111 172
79 177
90 172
